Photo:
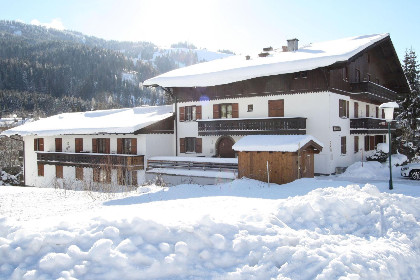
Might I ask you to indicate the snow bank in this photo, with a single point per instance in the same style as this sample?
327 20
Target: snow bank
347 232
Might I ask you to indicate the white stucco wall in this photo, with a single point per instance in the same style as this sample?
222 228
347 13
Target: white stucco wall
321 110
148 145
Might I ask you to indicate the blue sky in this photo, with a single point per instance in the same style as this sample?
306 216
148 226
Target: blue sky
239 25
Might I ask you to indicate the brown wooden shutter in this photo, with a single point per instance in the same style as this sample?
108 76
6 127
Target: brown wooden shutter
78 142
343 145
134 177
383 113
377 112
356 109
108 175
119 145
276 108
348 109
182 145
198 113
58 144
216 111
79 173
107 146
181 114
366 143
371 142
36 144
94 145
40 169
41 144
198 145
120 177
367 111
341 108
235 110
59 171
356 144
96 173
134 146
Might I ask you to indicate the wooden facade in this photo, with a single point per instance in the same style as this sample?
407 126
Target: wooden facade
278 167
374 75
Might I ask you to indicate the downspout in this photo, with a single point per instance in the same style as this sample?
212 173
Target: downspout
176 126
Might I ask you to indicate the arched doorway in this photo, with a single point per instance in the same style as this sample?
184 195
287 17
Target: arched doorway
224 147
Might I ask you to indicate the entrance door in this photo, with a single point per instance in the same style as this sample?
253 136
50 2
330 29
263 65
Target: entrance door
225 148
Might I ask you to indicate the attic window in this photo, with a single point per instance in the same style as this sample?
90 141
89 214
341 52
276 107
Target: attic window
304 74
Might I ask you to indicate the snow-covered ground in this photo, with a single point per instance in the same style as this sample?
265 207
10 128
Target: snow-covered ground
348 226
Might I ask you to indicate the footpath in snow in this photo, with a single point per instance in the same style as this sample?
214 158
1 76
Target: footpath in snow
322 228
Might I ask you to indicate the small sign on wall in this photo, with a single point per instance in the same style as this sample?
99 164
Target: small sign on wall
336 128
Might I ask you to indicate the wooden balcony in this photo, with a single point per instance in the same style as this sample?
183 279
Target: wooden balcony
132 162
277 126
369 126
374 91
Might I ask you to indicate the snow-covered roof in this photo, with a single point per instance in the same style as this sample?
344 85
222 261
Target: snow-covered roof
126 120
274 143
238 68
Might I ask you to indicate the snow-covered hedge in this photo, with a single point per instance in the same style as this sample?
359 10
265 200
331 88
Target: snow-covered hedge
8 179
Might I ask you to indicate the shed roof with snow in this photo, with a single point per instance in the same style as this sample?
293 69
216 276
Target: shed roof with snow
239 68
276 143
126 120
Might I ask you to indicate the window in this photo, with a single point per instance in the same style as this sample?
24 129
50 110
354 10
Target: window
368 77
79 173
38 144
377 112
345 74
101 175
40 169
58 144
127 146
356 144
78 145
226 111
190 145
343 145
189 113
127 177
367 111
369 143
357 76
250 107
59 171
303 75
343 108
101 145
383 113
356 109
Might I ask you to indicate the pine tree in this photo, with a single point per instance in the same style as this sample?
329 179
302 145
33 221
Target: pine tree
409 111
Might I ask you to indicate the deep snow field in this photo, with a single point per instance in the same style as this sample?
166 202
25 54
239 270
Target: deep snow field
347 226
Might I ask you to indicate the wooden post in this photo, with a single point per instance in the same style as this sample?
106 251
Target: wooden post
268 174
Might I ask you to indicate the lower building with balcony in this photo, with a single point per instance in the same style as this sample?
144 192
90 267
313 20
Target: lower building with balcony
92 148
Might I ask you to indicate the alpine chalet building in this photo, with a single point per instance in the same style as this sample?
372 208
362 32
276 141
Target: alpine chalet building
329 90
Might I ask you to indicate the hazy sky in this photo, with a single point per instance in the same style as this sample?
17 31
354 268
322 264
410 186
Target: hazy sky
239 25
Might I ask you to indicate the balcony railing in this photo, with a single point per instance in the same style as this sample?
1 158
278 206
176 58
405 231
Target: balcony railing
279 126
369 126
133 162
374 91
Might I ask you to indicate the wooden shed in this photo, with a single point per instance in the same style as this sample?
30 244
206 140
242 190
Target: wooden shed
277 158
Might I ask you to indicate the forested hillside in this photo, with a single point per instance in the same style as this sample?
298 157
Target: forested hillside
45 71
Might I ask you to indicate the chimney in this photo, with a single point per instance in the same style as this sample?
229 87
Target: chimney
292 45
